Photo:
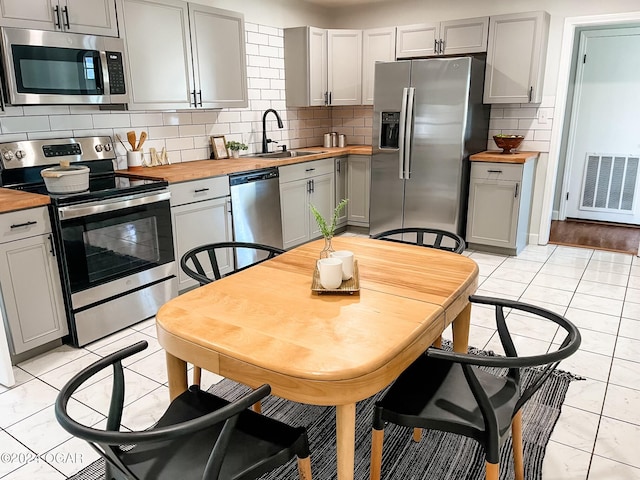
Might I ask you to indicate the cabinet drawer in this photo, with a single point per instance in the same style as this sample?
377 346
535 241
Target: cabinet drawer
496 171
289 173
24 224
198 190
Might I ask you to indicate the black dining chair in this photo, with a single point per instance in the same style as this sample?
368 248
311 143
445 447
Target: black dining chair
446 391
425 237
202 264
199 436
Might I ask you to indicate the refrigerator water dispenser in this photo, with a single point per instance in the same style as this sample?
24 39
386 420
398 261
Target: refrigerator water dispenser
390 130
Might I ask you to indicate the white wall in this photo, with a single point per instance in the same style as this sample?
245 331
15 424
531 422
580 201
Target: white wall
276 13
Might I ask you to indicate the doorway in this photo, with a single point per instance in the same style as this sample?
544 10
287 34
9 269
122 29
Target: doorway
601 180
551 194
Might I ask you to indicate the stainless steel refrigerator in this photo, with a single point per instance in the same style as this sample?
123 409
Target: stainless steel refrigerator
428 118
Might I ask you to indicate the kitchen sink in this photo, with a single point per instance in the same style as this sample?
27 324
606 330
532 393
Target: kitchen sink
287 154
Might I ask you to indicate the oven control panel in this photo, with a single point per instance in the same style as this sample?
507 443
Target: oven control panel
34 153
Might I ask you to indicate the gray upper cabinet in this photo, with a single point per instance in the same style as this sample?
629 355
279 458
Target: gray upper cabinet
183 55
322 67
378 45
444 38
516 55
94 17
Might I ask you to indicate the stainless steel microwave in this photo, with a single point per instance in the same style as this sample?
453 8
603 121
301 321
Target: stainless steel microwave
42 68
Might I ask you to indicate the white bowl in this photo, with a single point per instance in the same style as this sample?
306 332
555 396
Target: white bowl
63 179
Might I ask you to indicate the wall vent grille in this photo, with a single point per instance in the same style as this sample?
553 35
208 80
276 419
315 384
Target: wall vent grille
610 183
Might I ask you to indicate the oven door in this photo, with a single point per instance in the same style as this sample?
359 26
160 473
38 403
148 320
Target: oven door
117 238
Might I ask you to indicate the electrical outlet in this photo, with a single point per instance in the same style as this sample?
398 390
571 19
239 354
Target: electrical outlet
542 116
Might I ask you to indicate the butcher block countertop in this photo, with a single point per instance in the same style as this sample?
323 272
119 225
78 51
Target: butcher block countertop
11 200
499 157
186 171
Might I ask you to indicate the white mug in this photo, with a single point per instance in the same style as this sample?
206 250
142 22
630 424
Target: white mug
347 262
134 158
330 272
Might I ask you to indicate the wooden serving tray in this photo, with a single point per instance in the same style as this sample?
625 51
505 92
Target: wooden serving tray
349 287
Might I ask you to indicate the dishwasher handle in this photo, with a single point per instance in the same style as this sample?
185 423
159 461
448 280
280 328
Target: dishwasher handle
254 176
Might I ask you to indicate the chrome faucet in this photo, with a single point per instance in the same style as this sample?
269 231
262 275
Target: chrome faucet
266 140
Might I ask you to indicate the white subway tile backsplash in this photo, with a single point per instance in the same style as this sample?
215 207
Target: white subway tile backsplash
191 130
70 122
258 83
164 132
146 119
176 118
206 116
217 128
257 38
252 49
183 143
229 116
36 123
524 112
111 120
269 30
267 51
269 73
257 61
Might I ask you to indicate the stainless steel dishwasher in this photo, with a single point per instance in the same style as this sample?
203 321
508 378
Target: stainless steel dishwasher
255 207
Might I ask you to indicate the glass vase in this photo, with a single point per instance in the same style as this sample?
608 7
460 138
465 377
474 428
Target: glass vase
328 248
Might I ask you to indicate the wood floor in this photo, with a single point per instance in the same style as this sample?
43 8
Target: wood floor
599 235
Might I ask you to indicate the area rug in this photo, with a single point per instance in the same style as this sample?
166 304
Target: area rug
438 455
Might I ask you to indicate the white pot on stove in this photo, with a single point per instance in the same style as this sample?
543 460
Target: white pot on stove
66 178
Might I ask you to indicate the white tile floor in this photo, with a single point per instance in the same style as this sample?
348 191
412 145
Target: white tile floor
596 437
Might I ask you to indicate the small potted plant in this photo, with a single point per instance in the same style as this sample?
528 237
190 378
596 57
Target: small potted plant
328 229
235 147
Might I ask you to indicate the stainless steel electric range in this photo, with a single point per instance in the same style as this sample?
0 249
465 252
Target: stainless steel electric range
114 240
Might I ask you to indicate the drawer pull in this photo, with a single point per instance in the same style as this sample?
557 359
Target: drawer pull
25 224
200 190
494 171
309 169
53 250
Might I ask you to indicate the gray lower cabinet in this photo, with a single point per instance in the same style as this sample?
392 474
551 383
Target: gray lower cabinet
30 280
201 214
358 185
499 206
341 188
303 184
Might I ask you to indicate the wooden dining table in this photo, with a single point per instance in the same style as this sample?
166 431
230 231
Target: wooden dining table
266 325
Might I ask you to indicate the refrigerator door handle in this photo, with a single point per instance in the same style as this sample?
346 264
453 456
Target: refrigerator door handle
409 133
401 132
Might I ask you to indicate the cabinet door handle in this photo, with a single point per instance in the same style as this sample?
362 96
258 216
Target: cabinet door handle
441 46
56 20
53 250
25 224
200 190
516 195
66 24
530 94
326 98
308 186
313 186
494 171
338 166
195 103
435 46
200 95
329 98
